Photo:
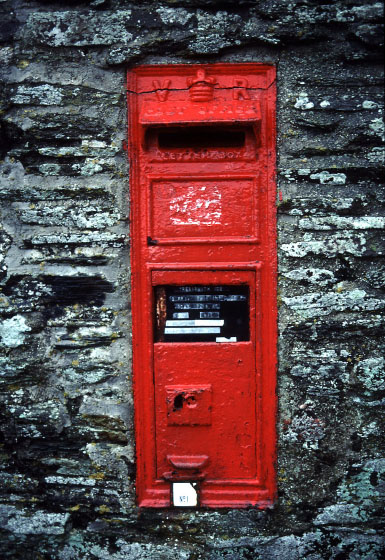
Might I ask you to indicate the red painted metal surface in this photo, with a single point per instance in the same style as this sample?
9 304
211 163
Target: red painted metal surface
202 147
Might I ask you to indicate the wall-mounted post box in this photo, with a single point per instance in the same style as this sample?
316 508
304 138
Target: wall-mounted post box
201 143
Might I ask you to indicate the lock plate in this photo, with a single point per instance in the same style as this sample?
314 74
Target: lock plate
189 405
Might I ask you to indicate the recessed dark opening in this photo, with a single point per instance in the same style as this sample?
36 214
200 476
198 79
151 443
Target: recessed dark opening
201 137
202 313
178 402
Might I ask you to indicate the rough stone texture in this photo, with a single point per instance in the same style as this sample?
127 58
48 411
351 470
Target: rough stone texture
67 448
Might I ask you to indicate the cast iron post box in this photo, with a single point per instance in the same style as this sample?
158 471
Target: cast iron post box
201 144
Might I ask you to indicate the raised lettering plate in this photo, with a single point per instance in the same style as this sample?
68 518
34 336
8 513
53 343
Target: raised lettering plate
189 209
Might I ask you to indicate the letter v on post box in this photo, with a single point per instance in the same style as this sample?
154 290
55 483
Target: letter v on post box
202 179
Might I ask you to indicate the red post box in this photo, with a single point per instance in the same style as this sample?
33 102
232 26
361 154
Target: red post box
202 145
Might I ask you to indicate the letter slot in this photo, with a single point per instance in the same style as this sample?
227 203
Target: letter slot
201 148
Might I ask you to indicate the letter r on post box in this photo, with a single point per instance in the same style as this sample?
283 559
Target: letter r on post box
201 148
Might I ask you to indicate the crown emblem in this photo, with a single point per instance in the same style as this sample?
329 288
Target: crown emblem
201 87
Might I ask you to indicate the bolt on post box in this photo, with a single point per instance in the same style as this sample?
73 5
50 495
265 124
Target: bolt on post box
202 148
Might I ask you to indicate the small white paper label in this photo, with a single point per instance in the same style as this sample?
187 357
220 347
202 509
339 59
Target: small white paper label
224 339
184 494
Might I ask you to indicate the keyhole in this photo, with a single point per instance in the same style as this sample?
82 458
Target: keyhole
191 401
178 402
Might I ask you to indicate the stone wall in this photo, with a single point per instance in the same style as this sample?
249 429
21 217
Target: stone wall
67 450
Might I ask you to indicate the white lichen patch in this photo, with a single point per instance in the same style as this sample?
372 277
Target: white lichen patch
62 28
317 304
105 455
303 102
70 480
288 174
88 148
334 244
377 127
49 169
101 355
89 168
87 216
326 178
371 373
128 551
12 331
369 104
106 407
22 522
343 203
89 237
318 276
305 429
94 144
376 155
5 243
339 513
73 379
41 95
361 489
6 53
172 16
212 30
342 222
92 332
50 412
326 367
370 429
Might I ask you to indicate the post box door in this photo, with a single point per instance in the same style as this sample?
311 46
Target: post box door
205 375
